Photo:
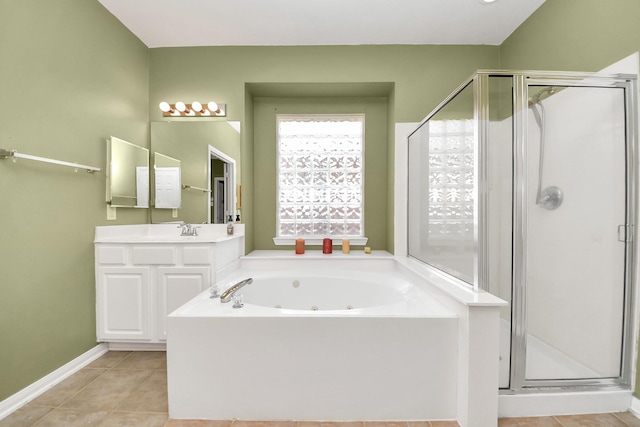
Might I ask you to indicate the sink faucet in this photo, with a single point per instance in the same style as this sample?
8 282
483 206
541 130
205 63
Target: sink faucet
228 294
188 229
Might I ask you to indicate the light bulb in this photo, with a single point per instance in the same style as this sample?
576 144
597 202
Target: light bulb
212 106
165 107
180 106
196 106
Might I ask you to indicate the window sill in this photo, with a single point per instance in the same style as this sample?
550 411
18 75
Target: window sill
317 241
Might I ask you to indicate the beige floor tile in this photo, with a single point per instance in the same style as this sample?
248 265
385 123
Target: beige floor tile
109 359
153 360
425 424
385 424
240 423
151 396
25 416
137 419
330 424
107 391
68 387
198 423
71 418
529 422
444 424
628 418
594 420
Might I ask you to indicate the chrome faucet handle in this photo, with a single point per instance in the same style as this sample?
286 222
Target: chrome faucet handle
238 301
214 292
187 229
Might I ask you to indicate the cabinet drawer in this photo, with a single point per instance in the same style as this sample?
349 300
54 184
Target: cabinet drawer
196 255
115 255
154 255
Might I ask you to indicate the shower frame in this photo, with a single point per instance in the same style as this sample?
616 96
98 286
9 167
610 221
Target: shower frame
521 80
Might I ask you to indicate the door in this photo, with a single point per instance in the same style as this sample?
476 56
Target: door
576 246
123 303
176 286
219 201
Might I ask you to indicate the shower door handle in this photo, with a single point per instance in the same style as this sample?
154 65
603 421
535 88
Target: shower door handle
625 233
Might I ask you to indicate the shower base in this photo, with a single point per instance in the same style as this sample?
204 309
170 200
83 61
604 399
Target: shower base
551 363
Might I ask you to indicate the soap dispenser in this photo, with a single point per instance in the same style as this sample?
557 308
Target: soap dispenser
230 226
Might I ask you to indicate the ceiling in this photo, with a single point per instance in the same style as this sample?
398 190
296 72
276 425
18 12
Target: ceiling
171 23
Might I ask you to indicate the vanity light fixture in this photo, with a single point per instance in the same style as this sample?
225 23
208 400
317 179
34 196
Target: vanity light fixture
195 109
165 107
182 107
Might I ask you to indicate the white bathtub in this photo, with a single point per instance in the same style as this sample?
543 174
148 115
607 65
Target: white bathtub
325 340
318 292
342 292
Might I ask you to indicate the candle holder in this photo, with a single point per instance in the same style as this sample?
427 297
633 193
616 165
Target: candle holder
327 246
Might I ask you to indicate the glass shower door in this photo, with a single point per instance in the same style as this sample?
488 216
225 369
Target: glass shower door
575 220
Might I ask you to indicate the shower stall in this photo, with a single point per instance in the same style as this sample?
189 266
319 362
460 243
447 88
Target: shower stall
524 185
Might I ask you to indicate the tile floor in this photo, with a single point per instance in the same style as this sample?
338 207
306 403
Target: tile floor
130 389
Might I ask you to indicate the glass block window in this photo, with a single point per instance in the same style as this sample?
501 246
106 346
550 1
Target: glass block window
450 179
320 176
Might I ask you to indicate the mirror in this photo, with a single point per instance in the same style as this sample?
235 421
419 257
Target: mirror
195 144
166 182
127 174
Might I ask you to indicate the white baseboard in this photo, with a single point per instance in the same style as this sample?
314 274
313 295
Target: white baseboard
27 394
132 346
635 406
547 404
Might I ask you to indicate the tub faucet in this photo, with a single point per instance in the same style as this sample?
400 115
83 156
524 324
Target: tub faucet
228 294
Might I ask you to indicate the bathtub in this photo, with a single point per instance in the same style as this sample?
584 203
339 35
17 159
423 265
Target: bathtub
327 339
334 293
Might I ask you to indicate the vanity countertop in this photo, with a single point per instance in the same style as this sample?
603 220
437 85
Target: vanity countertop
165 233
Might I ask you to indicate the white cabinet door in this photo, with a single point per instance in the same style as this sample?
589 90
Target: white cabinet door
123 303
177 285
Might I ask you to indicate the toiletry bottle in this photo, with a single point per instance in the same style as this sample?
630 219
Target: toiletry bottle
230 226
299 246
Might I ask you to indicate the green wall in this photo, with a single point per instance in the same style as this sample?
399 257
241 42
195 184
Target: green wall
415 78
375 161
70 76
576 35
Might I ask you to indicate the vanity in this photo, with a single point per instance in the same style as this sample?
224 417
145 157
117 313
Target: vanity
144 272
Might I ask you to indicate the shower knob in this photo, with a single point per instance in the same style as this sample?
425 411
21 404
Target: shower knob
550 198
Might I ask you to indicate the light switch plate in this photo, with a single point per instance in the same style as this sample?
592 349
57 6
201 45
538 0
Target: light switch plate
111 213
174 213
